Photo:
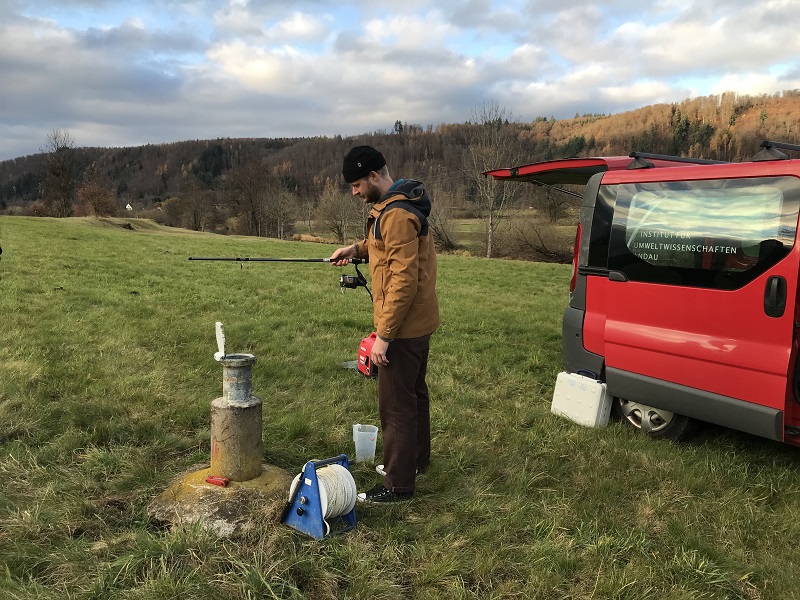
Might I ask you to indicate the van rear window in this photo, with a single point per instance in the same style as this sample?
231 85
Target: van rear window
712 233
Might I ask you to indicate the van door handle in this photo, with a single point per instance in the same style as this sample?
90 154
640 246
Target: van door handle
617 276
775 296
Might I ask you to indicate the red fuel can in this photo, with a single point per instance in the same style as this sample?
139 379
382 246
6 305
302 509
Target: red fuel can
365 366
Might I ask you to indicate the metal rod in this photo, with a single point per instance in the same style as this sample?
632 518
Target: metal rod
557 189
682 159
355 261
781 145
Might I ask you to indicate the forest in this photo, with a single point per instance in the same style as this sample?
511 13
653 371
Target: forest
292 188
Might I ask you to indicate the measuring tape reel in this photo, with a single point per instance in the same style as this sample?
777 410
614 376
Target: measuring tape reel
322 498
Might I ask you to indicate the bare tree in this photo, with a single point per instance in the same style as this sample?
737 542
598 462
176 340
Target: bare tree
307 209
61 172
267 206
555 201
439 220
490 144
249 186
340 213
280 211
539 241
198 203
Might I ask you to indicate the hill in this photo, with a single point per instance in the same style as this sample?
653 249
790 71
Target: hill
266 187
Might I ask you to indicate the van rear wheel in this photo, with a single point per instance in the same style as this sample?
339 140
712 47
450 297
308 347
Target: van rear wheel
655 422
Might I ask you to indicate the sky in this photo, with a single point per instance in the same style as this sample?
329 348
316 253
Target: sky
134 72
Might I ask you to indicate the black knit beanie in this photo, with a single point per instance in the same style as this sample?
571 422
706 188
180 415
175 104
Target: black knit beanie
360 162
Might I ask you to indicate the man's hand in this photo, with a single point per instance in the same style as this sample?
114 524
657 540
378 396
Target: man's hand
378 354
340 256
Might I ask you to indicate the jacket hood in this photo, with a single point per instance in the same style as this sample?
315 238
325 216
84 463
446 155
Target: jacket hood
412 191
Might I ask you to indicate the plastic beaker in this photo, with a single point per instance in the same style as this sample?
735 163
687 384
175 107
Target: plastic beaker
365 438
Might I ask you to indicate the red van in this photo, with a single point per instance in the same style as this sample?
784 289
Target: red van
683 297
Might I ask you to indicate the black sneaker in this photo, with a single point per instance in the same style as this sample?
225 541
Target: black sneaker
380 495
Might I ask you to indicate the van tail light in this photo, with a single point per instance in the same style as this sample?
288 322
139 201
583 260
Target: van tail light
575 252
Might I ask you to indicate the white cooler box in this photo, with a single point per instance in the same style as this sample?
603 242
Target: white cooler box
581 399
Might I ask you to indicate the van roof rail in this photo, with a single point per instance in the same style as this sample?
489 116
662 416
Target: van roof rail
770 151
642 163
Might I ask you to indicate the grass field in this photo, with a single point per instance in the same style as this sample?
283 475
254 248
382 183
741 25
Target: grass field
106 379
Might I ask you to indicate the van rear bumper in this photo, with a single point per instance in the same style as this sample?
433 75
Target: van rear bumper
706 406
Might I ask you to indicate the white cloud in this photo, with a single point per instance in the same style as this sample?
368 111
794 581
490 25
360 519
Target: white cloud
299 26
144 71
638 94
702 40
756 83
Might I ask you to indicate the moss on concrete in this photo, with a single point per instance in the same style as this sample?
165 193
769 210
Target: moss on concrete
226 511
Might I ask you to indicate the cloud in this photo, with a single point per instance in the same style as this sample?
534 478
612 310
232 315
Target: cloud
132 38
703 39
756 83
299 27
146 72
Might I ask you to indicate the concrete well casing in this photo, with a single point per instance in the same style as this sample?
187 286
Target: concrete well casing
237 447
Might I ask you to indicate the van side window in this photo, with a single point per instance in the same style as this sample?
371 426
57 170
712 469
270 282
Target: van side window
601 226
713 233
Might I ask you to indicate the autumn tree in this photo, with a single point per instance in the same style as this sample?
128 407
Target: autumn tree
61 172
95 196
173 211
490 143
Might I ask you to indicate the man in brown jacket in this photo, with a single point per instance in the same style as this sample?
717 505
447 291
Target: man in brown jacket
402 264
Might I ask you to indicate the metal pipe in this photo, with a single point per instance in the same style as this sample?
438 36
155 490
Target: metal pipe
355 261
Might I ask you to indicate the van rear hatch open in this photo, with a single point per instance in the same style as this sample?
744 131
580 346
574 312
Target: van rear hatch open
578 171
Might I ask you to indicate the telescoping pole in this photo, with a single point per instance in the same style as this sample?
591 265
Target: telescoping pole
355 261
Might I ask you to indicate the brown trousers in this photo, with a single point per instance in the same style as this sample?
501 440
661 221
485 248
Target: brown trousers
404 409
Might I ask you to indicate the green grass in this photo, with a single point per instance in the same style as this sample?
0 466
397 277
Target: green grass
106 379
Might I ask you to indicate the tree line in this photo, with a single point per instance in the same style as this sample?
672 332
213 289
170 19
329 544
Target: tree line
277 187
